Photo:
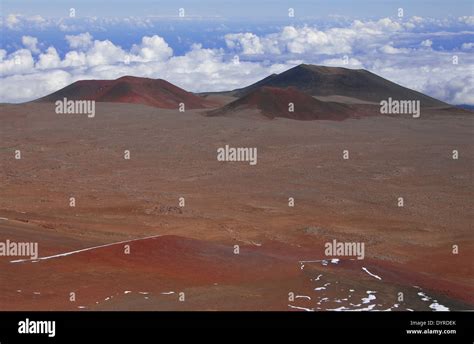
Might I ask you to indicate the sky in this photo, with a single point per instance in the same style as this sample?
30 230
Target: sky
219 45
239 8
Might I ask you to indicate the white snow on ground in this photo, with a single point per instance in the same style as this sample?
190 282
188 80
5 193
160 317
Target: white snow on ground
434 305
3 218
324 262
82 250
423 296
323 287
127 291
439 308
167 292
370 297
342 308
324 299
302 297
302 308
371 274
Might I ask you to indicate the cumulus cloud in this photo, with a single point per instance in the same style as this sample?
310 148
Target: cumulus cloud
30 43
379 46
80 41
103 53
292 40
49 59
311 40
18 62
152 48
248 42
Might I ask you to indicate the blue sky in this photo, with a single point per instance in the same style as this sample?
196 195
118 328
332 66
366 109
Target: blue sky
43 49
241 8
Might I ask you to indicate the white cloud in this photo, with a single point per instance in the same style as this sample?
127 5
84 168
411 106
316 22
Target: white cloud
12 21
17 21
311 40
19 62
152 48
467 46
80 41
389 49
30 43
248 42
427 43
103 53
74 59
379 46
469 20
342 62
49 59
18 88
293 40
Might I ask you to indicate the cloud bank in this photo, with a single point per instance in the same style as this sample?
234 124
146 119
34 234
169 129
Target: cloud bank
403 51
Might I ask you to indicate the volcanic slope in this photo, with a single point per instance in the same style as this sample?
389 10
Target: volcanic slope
290 103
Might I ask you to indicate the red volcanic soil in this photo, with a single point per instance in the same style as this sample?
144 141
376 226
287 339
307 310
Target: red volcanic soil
180 259
155 265
274 102
128 89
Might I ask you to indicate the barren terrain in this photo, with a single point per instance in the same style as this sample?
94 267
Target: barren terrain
190 249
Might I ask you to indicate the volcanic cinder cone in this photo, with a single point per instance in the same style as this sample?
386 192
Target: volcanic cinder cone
329 81
128 89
